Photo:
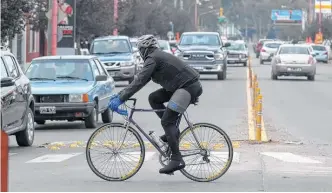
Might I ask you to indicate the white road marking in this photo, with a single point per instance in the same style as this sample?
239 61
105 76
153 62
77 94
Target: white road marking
53 158
217 156
289 157
10 154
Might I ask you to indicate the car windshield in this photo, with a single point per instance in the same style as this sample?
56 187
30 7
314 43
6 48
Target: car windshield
163 45
319 48
56 69
272 45
236 47
294 50
200 39
110 46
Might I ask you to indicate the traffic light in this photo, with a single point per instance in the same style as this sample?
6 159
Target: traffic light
221 12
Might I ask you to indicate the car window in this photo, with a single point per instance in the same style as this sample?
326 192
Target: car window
272 45
3 70
101 70
60 69
294 50
12 68
95 69
200 39
110 46
163 45
319 48
236 46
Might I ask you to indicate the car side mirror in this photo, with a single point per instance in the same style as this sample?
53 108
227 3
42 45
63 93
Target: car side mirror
101 78
7 81
227 45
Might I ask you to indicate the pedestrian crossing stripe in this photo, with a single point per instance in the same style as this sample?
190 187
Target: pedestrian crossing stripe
289 157
53 158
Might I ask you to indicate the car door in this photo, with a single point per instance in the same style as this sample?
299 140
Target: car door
97 90
8 103
105 87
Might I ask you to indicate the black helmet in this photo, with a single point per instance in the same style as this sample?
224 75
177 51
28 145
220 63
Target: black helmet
145 42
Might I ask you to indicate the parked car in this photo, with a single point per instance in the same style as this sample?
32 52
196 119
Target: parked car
321 53
164 45
205 52
133 42
259 46
17 102
237 53
118 56
268 48
73 88
293 60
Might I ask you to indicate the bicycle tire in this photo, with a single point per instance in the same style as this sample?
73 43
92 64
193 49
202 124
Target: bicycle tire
131 173
230 150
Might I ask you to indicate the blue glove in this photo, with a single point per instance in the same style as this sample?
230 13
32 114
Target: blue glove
114 103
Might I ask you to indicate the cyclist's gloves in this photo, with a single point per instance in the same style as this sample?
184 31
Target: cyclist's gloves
114 103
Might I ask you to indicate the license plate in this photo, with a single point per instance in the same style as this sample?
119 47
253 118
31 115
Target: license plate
199 68
47 110
294 69
112 73
231 61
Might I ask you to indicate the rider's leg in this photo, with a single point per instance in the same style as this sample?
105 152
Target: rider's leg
168 122
157 100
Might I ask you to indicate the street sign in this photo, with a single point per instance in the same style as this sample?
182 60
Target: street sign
170 35
319 38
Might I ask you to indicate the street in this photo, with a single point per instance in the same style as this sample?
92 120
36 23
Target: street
297 117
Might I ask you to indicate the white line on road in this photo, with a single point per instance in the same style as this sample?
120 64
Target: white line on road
289 157
53 158
224 156
10 154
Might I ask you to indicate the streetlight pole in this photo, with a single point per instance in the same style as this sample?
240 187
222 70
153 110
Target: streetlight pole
196 23
54 26
115 17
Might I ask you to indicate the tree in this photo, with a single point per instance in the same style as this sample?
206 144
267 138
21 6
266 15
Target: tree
13 17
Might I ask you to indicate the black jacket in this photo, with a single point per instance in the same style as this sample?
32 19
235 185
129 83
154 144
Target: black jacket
164 69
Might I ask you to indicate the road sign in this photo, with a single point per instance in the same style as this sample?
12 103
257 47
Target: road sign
170 35
319 38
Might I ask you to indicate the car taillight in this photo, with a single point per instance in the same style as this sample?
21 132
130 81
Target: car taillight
311 60
325 53
262 50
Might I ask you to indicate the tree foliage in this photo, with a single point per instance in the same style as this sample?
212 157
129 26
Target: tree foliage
13 17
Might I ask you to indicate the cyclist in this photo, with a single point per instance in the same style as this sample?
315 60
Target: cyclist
180 87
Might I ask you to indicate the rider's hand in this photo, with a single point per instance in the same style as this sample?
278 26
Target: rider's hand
114 103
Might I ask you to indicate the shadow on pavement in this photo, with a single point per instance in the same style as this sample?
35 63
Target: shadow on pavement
57 125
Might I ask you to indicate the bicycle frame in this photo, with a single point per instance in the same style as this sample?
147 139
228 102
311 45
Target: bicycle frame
131 120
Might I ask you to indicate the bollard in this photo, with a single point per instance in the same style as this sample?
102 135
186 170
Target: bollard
258 91
4 162
259 118
255 87
250 78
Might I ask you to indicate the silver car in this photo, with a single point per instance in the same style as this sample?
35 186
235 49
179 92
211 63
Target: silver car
164 45
293 60
237 53
268 48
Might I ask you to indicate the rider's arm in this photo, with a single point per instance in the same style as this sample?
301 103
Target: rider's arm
141 80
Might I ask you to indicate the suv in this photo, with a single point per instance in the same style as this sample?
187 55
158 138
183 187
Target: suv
205 52
118 56
17 102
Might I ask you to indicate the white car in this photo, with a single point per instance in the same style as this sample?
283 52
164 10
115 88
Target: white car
293 60
164 45
268 48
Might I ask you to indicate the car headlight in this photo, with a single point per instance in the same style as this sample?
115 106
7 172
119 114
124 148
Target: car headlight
219 56
78 98
129 63
243 56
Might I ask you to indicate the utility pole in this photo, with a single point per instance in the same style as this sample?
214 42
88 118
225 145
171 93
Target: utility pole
49 29
196 23
115 17
320 16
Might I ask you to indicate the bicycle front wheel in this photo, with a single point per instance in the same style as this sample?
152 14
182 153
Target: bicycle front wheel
115 152
207 151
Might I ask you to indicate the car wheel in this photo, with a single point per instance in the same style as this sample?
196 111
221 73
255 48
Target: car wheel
311 77
41 122
107 116
245 64
26 136
222 75
274 76
91 120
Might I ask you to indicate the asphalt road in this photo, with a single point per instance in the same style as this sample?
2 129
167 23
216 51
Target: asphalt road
296 115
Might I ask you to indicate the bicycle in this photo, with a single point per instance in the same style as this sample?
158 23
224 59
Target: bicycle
113 147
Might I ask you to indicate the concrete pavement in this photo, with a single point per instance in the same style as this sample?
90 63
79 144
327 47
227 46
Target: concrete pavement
290 107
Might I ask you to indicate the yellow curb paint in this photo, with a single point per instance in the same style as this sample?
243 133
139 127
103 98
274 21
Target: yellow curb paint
236 144
73 145
54 148
251 125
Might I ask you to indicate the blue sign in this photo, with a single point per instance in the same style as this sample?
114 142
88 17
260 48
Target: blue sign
286 15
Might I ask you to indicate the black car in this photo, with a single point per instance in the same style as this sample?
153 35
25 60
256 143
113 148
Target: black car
17 102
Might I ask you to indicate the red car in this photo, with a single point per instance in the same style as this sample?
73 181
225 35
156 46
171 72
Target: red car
259 46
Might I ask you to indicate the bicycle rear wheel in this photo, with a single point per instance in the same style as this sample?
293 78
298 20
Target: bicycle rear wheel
113 143
215 157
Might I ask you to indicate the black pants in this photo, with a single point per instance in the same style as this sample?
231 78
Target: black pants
169 117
